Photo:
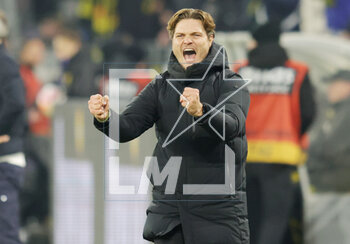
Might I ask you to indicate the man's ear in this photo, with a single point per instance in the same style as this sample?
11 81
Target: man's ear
211 39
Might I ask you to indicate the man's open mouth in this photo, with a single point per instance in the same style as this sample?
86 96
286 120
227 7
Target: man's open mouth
189 55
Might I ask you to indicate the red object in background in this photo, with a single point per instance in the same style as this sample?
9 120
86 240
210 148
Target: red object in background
134 77
141 82
39 124
274 117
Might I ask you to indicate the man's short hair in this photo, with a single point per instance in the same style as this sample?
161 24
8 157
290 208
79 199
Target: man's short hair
190 13
4 29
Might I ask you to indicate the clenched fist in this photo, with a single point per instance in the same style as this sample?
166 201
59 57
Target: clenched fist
99 107
190 100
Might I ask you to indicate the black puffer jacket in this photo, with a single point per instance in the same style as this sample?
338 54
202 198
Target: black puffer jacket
204 218
12 105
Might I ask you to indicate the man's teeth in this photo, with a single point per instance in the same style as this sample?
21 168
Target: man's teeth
189 54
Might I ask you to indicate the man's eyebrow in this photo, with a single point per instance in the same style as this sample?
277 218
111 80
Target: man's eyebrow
192 33
196 32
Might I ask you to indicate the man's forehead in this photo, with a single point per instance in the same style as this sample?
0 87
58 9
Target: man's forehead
189 26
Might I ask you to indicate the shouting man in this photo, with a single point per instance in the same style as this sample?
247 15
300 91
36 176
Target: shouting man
202 102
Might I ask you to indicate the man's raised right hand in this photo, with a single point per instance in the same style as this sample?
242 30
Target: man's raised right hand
99 107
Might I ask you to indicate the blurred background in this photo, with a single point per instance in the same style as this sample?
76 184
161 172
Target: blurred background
65 49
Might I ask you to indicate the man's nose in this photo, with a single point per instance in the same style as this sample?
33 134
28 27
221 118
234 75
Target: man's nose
187 40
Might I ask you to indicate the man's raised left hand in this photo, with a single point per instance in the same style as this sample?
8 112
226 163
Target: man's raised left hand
190 100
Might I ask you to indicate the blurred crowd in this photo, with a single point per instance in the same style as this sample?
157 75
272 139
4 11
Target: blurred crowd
65 46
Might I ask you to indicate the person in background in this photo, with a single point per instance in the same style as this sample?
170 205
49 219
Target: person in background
282 109
79 64
49 70
34 202
329 152
32 54
12 130
328 163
